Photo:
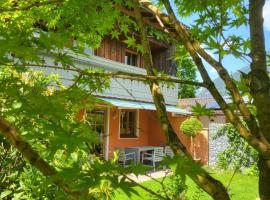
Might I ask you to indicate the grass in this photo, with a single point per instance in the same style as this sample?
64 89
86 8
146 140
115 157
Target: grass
242 187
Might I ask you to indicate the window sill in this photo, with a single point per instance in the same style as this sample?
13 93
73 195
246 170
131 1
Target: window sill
129 137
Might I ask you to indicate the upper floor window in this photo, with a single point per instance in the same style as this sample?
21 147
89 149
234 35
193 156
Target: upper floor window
131 58
128 123
88 50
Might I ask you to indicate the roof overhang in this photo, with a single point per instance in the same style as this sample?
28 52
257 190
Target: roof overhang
126 104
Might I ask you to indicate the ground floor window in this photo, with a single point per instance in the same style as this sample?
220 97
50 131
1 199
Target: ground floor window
96 119
128 123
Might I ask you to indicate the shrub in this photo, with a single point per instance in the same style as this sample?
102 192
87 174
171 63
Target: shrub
239 154
19 180
174 187
191 126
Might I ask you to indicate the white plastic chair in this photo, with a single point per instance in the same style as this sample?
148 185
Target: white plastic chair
156 156
126 157
168 151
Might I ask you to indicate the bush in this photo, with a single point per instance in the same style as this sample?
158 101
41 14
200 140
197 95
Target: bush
239 154
18 180
191 126
176 187
173 188
253 170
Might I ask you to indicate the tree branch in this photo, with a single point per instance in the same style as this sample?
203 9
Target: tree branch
186 37
255 140
259 83
139 77
28 7
11 135
204 180
119 74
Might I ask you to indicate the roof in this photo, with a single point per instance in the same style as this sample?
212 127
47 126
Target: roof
187 103
143 105
209 102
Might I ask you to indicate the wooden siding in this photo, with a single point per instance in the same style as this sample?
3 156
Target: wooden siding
163 60
113 49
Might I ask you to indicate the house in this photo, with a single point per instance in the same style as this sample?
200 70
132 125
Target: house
126 116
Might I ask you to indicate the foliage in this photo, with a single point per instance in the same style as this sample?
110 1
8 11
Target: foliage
18 180
198 194
174 188
239 153
201 110
252 170
186 70
237 191
44 111
191 126
43 106
211 23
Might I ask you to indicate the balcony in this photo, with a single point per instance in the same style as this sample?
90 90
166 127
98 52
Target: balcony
119 88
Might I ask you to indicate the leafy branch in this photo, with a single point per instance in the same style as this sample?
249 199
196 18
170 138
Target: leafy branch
28 7
119 74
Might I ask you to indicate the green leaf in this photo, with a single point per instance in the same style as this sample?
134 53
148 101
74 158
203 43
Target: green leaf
5 194
131 42
201 110
17 105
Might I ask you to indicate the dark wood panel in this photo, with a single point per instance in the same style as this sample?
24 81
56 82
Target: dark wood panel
107 48
114 49
119 51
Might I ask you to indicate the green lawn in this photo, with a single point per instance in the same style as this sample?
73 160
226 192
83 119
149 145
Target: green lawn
243 187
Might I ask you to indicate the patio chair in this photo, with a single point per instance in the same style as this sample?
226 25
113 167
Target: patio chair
156 156
124 157
168 151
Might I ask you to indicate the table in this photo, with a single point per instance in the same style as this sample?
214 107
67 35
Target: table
138 150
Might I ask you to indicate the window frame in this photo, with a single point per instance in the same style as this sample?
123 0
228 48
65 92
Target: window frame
136 136
135 54
103 134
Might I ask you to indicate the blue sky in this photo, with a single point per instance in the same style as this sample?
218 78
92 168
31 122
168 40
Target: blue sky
232 64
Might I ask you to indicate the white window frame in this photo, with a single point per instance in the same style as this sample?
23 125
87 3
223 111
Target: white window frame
137 124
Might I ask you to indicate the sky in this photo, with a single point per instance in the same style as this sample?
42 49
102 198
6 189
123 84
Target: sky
230 63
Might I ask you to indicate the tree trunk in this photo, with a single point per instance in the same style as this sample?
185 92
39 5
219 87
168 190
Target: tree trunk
260 88
12 136
202 178
264 178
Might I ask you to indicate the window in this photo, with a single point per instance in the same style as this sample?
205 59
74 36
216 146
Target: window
88 50
131 58
128 124
96 120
